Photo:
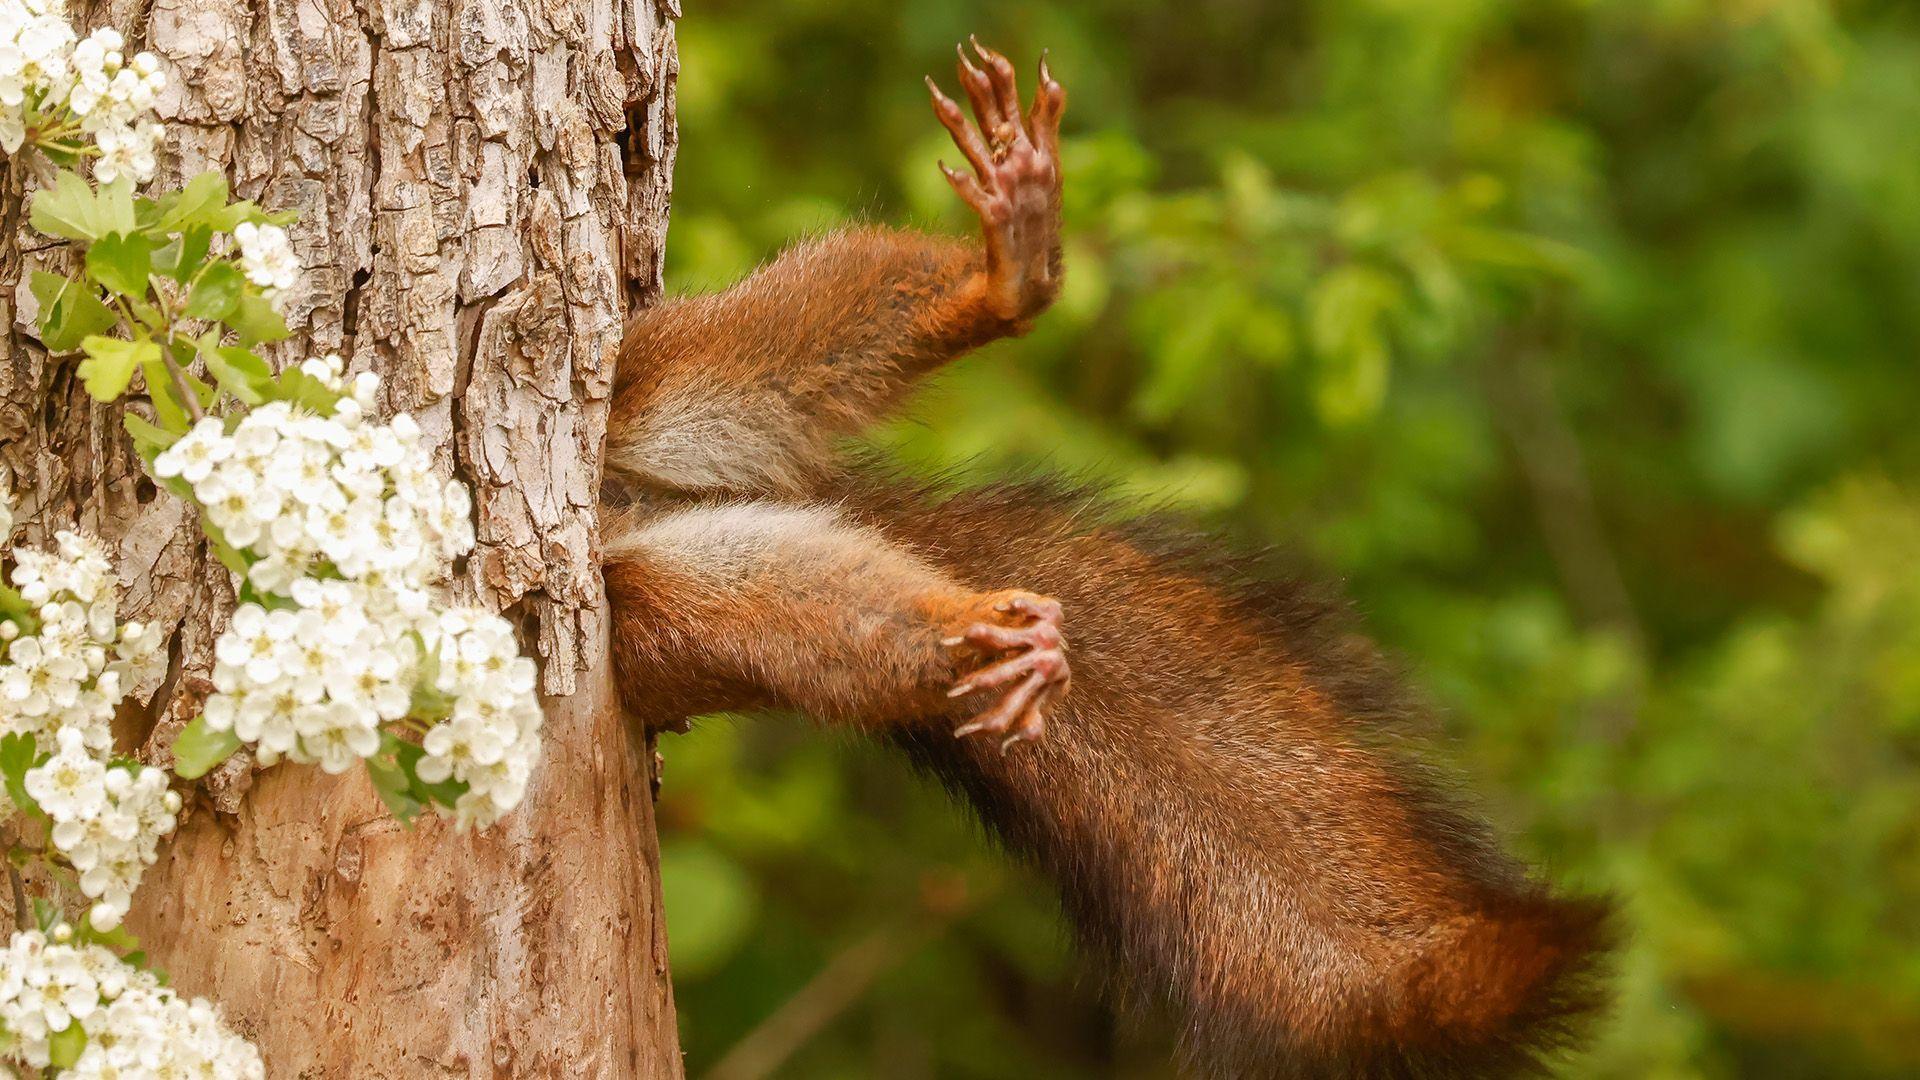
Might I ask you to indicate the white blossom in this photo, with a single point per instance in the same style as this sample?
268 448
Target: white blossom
353 532
267 257
62 684
36 46
491 740
51 80
135 1027
73 671
343 493
107 820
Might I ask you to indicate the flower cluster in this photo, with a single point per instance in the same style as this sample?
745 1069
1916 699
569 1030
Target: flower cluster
113 97
56 85
132 1025
306 492
36 49
61 685
266 257
350 530
107 821
492 737
73 670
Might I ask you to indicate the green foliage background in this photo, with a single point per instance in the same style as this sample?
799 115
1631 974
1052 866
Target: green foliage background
1575 336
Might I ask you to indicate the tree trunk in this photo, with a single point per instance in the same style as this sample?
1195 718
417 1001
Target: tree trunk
483 189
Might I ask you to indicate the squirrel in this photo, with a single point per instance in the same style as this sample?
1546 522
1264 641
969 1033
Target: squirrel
1214 773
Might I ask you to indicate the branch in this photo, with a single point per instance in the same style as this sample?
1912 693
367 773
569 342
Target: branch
838 986
1551 462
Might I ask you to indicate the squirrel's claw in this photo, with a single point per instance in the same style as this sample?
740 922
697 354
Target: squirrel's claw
1014 186
1028 658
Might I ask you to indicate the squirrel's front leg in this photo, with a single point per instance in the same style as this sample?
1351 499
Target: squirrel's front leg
747 605
750 390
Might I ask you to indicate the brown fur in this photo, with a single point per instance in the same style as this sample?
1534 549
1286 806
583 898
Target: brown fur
1226 798
1229 805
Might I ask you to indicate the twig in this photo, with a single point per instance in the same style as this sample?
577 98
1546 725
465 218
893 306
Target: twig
1555 470
188 399
22 920
835 989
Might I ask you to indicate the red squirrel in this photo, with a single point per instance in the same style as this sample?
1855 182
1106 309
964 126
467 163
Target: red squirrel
1210 772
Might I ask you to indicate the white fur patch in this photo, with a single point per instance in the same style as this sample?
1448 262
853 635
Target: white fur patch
688 441
729 541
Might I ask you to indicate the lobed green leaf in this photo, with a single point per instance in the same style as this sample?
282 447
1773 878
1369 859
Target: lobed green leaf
110 362
121 262
198 748
18 753
69 311
216 292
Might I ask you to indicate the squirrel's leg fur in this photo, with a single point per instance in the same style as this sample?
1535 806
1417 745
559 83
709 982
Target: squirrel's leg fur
747 391
1218 798
1231 822
752 604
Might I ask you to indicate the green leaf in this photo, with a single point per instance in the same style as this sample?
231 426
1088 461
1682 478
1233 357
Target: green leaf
247 210
197 204
256 321
74 210
217 291
113 208
149 315
407 755
391 784
109 365
18 753
239 372
304 390
66 210
394 770
119 939
15 609
149 438
64 1047
69 311
181 258
167 405
230 557
121 262
198 748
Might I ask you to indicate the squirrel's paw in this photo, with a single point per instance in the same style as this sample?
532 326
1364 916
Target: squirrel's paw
1018 636
1015 184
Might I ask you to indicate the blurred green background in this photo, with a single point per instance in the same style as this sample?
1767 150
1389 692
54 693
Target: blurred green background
1575 338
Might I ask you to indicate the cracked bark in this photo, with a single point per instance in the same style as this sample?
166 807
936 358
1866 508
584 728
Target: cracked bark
483 190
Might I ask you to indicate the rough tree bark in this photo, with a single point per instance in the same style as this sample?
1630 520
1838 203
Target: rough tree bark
483 190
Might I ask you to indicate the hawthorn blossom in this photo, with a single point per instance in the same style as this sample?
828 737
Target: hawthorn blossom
80 663
133 1025
36 46
351 534
54 82
266 257
492 737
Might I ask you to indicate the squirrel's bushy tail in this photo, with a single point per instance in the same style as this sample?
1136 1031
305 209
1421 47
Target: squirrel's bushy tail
1234 825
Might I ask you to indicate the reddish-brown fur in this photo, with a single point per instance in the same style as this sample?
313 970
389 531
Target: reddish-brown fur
1223 797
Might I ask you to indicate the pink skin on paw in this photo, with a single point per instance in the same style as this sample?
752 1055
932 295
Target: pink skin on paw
1014 185
1027 664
